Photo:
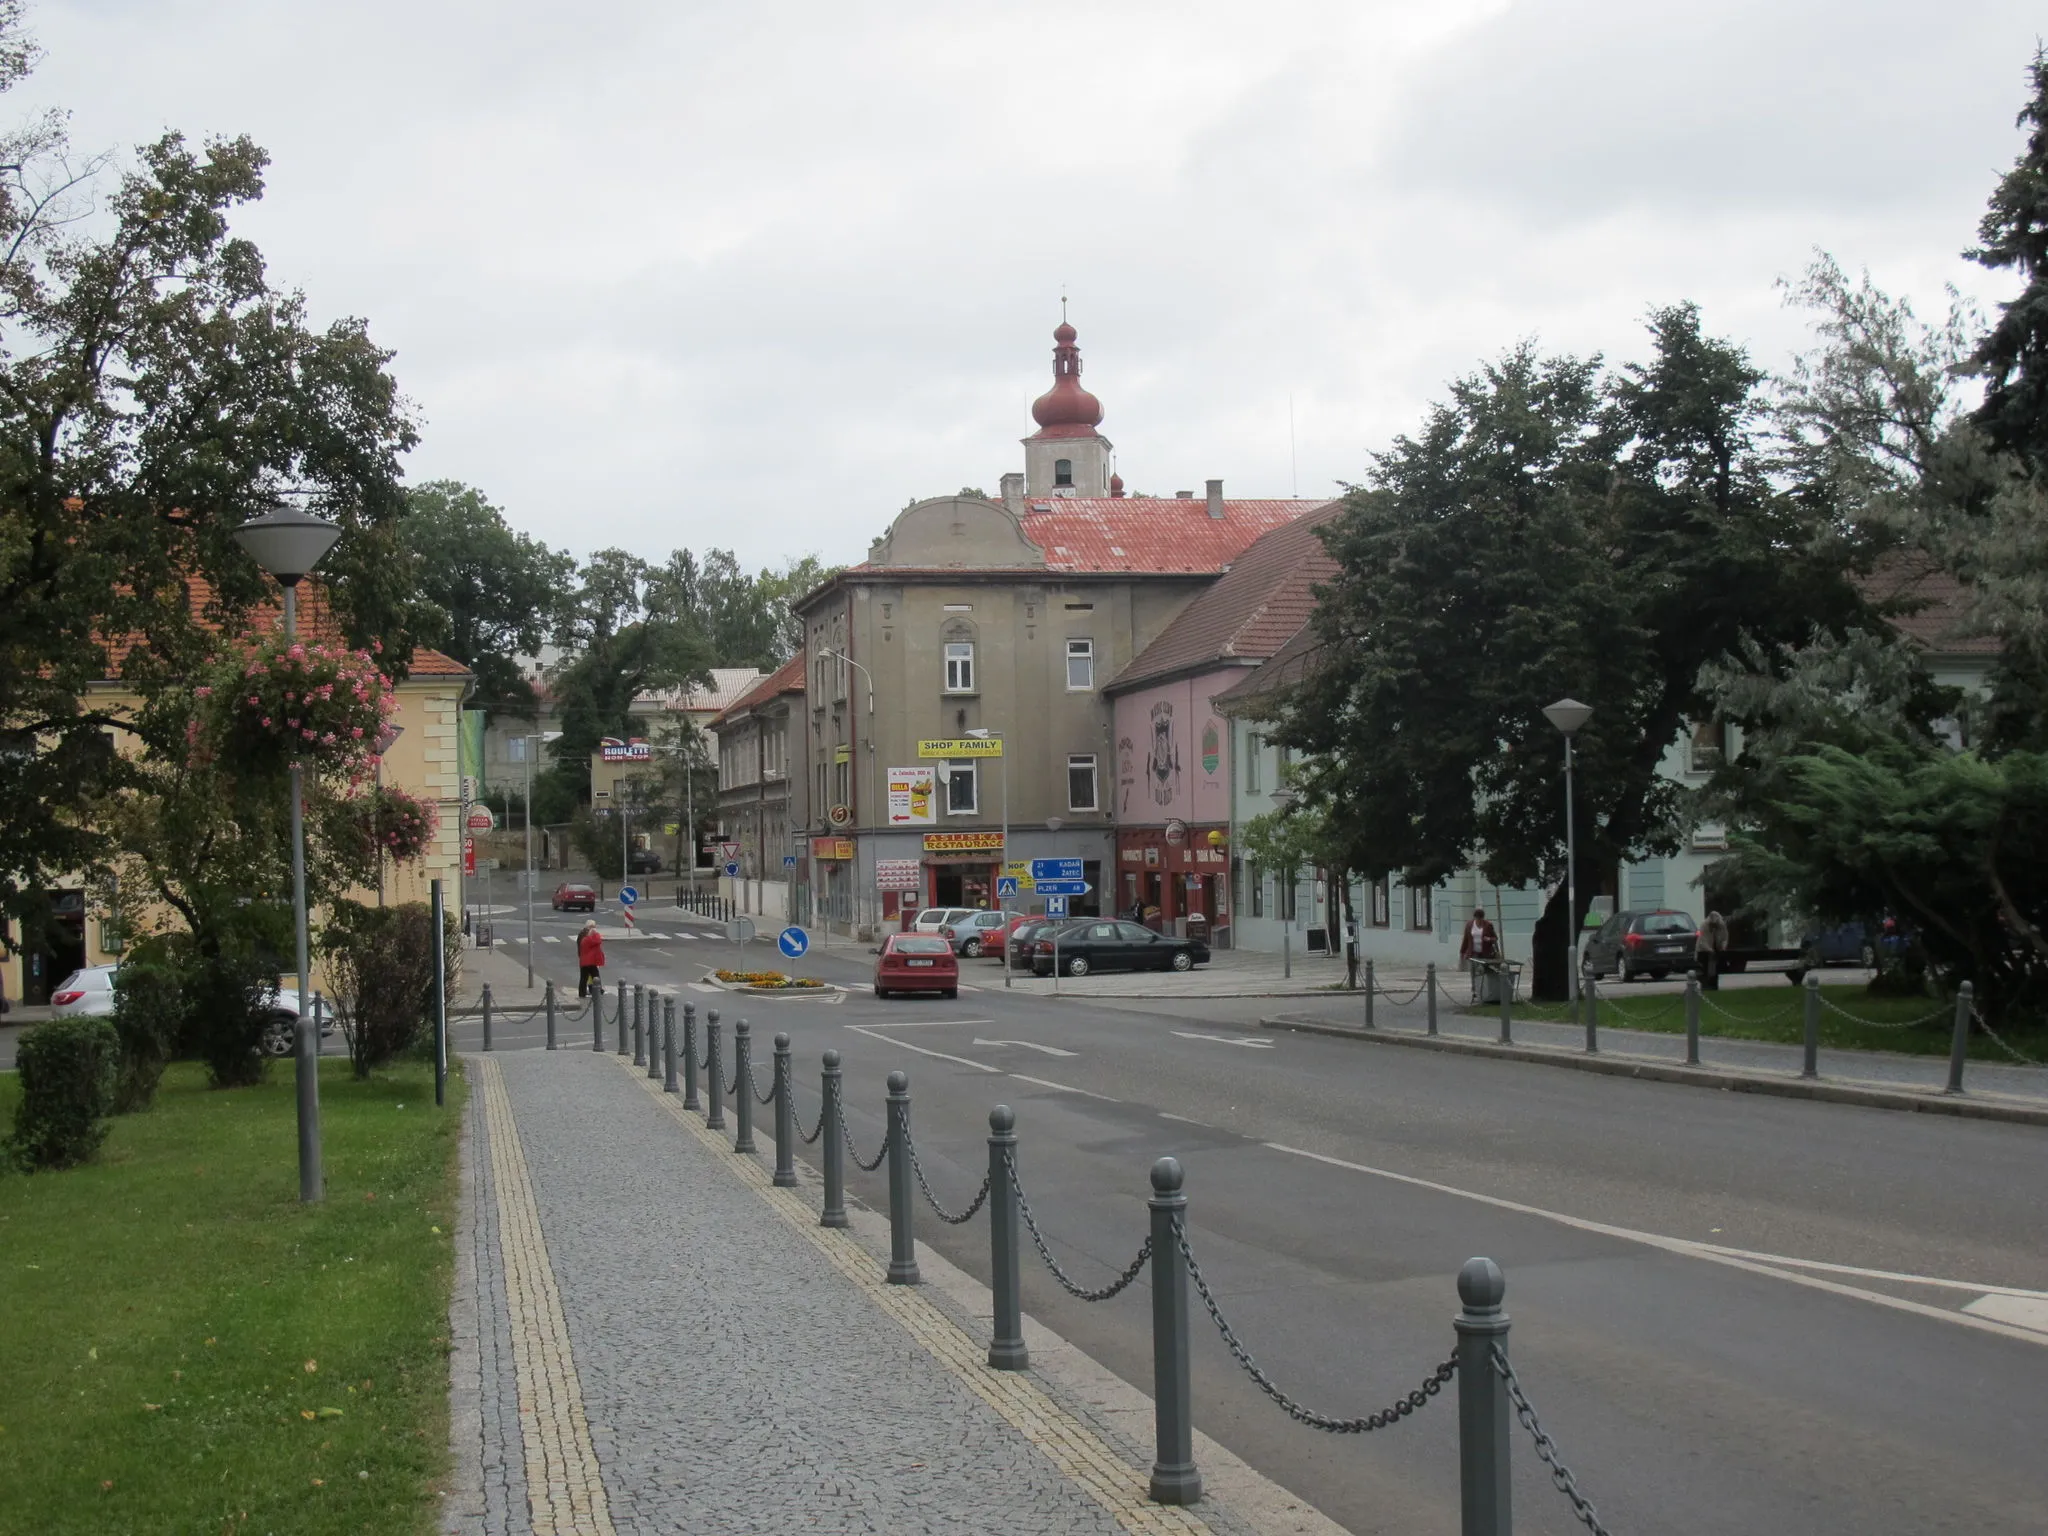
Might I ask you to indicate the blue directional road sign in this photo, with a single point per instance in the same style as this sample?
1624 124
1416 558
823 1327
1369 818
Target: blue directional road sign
1006 885
1055 869
627 895
732 866
1063 887
793 942
789 861
1055 906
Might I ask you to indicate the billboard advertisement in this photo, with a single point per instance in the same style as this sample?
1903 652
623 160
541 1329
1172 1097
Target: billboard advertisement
913 796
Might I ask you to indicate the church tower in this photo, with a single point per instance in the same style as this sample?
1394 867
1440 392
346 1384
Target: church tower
1066 456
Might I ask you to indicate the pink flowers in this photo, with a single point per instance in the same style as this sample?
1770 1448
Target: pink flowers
266 718
203 693
355 733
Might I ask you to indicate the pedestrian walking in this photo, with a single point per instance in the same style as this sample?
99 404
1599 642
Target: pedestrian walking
1480 941
1708 948
590 957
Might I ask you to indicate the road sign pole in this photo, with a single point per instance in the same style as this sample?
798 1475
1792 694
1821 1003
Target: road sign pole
1001 905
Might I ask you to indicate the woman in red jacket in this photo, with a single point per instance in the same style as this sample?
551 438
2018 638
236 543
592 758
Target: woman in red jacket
590 956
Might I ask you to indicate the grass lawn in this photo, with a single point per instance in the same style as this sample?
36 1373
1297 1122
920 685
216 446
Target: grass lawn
1778 1013
183 1347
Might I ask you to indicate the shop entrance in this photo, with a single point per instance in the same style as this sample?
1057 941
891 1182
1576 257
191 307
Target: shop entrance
963 885
57 951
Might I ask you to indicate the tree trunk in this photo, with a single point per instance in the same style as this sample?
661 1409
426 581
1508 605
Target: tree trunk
1343 877
1550 952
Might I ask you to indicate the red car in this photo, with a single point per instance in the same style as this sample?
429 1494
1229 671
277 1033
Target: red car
916 962
572 894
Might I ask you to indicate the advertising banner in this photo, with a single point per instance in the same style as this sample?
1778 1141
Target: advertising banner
962 746
913 796
898 875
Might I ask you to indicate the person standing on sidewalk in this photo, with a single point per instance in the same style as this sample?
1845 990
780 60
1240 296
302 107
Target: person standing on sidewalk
1481 941
1708 949
590 957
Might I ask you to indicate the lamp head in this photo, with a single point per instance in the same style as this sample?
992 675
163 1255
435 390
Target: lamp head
1568 715
288 542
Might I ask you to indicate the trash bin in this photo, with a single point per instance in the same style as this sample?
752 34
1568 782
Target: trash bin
1489 977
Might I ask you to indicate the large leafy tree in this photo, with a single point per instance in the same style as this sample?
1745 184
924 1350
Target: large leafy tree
502 592
156 389
1553 529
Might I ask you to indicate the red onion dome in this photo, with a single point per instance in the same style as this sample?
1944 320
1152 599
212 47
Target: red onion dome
1066 404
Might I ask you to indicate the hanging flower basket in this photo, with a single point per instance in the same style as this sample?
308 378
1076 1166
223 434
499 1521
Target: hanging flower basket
397 825
319 705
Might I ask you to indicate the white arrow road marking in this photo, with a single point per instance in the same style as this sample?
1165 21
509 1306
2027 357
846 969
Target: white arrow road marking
1248 1043
1029 1045
979 1066
2025 1311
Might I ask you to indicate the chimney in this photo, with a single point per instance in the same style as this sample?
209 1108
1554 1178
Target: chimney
1013 493
1215 498
1183 495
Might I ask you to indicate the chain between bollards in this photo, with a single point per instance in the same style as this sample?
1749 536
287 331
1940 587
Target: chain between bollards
902 1241
1006 1349
714 1071
549 997
1810 1065
487 1015
743 1085
832 1137
690 1100
1959 1042
785 1119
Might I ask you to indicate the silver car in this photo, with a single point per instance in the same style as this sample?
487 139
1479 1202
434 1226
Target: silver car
90 994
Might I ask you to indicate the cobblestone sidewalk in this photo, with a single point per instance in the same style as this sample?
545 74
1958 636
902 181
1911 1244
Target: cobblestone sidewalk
651 1338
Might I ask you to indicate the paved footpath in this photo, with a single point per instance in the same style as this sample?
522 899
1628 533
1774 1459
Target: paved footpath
649 1338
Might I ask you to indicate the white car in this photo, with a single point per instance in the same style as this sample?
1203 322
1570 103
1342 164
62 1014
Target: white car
90 994
932 919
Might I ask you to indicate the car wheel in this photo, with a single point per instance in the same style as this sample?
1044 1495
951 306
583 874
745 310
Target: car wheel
1183 961
280 1035
1623 971
950 992
971 949
1078 966
881 992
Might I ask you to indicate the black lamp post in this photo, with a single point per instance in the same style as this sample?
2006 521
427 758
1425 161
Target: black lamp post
288 543
1568 715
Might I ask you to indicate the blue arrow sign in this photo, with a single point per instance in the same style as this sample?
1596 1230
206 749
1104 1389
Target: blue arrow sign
627 895
1063 887
1006 885
793 942
1055 869
1055 906
732 867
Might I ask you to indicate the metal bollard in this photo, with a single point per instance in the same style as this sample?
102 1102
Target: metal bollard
1592 1012
654 1035
714 1069
1369 989
1175 1478
1692 1018
1484 1488
487 1015
594 998
743 1072
319 1021
1959 1045
668 1047
639 1014
548 998
622 1019
1506 978
833 1140
785 1119
1006 1351
1810 1067
690 1100
1429 990
902 1241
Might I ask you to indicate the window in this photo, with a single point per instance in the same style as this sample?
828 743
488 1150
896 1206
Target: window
1382 903
842 782
1081 784
1256 877
1254 750
1062 471
961 796
1080 665
1287 893
1421 907
1705 748
959 666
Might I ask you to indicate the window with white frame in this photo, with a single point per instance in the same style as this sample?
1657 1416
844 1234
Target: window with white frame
1421 907
1081 783
1080 666
962 792
959 666
1382 903
1254 750
1706 748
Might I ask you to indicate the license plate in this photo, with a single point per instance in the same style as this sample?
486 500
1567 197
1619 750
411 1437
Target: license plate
920 962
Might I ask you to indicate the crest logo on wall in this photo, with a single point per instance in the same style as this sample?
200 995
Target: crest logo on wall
1212 748
1162 764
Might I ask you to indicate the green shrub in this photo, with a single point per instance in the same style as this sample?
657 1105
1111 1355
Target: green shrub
380 963
149 1017
67 1070
227 1003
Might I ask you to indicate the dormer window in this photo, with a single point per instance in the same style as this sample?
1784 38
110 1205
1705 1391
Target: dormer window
1062 471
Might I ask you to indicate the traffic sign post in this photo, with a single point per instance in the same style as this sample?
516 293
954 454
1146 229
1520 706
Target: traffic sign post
1055 906
793 942
628 896
1063 887
732 868
1006 886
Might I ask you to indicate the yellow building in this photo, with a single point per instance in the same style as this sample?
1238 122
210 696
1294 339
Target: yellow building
421 760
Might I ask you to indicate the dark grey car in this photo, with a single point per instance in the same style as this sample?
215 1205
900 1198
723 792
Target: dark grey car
1632 945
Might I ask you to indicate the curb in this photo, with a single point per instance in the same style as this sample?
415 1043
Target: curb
1647 1070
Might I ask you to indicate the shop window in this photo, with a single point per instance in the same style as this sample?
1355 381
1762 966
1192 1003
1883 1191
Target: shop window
1256 879
959 666
1421 907
1080 666
1081 783
962 798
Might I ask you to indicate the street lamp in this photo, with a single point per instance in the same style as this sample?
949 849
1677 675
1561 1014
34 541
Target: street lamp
1568 715
533 744
985 734
874 789
1284 800
288 543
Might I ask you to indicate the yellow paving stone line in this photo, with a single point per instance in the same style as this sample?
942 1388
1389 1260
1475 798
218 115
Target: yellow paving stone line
1077 1451
564 1488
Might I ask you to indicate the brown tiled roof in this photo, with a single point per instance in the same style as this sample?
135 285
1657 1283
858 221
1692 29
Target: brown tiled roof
1939 619
1266 595
1288 665
787 678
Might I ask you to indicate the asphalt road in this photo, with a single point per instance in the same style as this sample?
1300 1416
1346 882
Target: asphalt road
1735 1314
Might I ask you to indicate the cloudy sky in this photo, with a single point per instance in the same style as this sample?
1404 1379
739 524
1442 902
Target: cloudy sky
667 272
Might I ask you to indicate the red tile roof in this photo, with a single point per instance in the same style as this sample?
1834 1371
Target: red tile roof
1247 697
1266 595
787 678
1940 620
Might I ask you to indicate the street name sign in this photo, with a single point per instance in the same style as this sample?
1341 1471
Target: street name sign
1063 887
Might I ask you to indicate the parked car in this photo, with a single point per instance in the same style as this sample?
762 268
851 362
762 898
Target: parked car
573 895
1023 932
643 861
1632 945
916 962
85 994
1105 945
932 919
975 932
281 1026
1854 943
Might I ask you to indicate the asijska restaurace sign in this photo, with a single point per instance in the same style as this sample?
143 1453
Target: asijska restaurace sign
962 842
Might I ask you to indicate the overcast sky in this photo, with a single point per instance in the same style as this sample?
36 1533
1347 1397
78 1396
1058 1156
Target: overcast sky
754 275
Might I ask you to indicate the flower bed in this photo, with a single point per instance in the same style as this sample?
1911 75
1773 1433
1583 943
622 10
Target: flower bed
767 981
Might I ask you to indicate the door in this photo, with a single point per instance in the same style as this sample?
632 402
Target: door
1139 948
1100 944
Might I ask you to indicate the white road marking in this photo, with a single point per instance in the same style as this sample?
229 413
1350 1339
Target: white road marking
1685 1247
1184 1120
1246 1041
2023 1311
704 986
551 938
1030 1045
922 1024
979 1066
1063 1088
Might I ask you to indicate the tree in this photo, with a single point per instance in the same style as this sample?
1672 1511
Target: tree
1554 529
2013 355
502 592
156 390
